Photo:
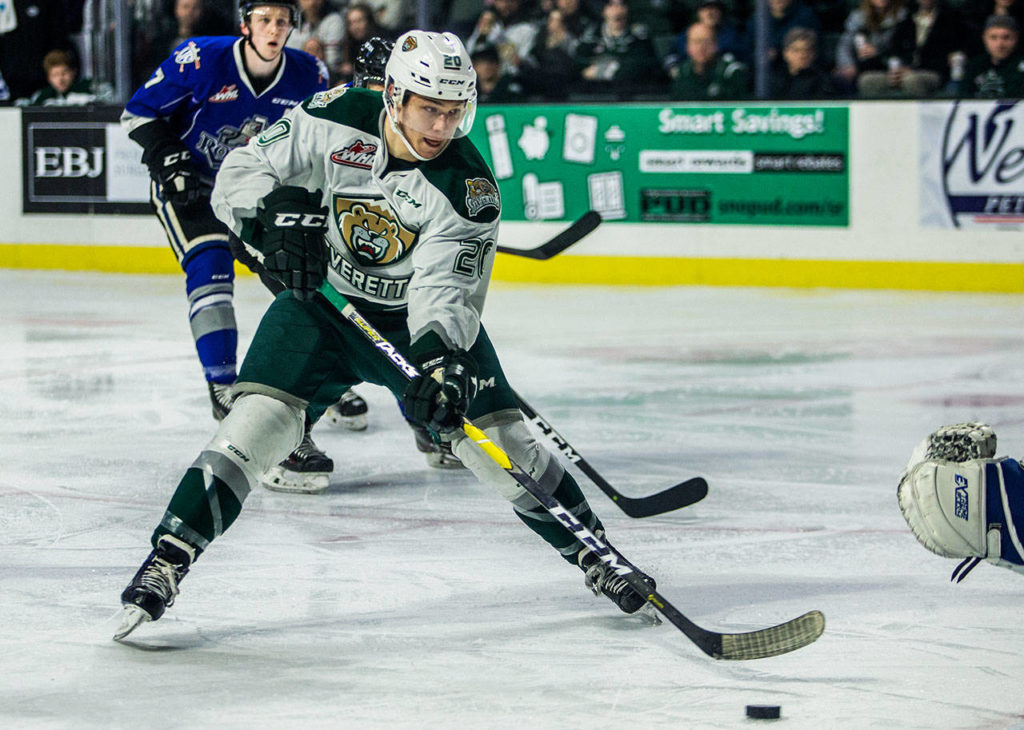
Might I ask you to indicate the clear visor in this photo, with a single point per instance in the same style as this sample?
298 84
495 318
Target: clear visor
271 15
436 119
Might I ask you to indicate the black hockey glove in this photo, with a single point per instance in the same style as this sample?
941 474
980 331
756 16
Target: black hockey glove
440 397
292 223
170 164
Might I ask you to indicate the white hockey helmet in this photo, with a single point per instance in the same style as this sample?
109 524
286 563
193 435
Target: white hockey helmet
434 65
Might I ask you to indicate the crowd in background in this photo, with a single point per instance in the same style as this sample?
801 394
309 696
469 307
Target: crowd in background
583 50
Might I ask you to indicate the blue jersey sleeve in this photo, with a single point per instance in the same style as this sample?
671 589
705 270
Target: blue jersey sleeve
180 78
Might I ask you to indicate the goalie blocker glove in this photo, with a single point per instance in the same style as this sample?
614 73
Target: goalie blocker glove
961 502
440 396
170 164
291 225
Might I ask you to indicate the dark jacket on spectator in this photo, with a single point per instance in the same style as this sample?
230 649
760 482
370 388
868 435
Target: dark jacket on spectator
631 60
726 79
985 80
894 37
811 83
947 35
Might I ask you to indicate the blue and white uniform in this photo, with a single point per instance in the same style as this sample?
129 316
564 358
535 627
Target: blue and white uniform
202 98
961 501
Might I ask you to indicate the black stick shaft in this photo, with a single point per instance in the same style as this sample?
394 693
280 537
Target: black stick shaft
771 641
681 495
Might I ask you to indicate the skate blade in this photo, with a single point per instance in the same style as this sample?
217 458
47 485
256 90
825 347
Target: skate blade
649 615
131 617
443 461
352 423
280 480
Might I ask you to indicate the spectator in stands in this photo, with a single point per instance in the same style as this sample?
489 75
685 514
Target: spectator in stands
507 27
796 75
360 26
978 11
41 27
706 75
729 35
575 18
165 31
548 68
395 16
615 59
655 17
493 85
878 36
938 40
63 88
320 33
457 16
193 18
784 15
998 73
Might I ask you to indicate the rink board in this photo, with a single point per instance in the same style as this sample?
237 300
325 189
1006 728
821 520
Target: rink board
930 202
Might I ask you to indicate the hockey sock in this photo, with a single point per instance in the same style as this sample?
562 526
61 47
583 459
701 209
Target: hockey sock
210 286
553 532
200 510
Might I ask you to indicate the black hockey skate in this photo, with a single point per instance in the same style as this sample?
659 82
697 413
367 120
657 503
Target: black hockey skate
601 579
220 399
439 455
155 585
307 470
349 412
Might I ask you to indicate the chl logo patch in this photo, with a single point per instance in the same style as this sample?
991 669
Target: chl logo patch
226 93
960 496
372 232
358 154
480 194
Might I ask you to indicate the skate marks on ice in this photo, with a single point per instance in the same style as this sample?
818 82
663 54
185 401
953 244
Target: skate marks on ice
402 588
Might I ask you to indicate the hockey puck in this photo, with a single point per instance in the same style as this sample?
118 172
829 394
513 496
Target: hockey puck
764 712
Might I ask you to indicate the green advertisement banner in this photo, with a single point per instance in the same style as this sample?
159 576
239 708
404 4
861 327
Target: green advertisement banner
728 164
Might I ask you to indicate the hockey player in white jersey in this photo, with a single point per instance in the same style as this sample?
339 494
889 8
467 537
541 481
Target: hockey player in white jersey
391 202
961 501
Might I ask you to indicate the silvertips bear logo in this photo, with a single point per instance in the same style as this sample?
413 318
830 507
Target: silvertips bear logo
480 194
982 168
372 232
409 44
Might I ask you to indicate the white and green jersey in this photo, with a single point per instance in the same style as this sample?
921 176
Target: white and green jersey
400 235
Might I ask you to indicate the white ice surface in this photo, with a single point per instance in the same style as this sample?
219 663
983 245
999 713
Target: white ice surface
407 597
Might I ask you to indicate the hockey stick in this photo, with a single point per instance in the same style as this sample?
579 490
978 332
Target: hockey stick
771 641
583 226
681 495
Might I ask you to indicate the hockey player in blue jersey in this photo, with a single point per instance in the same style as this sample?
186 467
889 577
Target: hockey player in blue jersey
211 95
961 501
